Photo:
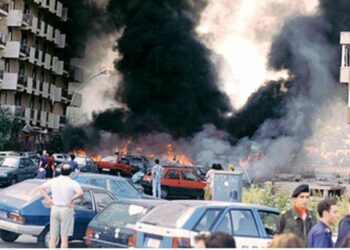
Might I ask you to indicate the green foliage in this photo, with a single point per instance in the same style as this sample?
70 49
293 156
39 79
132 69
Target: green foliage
269 196
9 129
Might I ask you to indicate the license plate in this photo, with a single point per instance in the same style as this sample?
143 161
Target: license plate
3 214
106 169
154 243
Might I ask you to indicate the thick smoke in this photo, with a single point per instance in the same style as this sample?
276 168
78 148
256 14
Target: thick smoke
168 82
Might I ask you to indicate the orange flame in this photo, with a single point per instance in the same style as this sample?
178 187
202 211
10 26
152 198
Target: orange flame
177 158
96 157
81 152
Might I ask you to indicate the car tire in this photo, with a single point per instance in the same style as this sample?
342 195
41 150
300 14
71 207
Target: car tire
13 180
164 193
44 238
8 236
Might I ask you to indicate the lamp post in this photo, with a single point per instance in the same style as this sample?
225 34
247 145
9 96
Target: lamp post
103 72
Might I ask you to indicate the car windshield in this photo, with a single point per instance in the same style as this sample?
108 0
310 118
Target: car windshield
108 158
119 214
123 188
168 215
24 191
9 162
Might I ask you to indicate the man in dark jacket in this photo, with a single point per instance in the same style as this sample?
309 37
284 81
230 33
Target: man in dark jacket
299 219
344 228
320 235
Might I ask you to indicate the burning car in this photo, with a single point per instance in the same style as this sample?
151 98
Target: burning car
126 165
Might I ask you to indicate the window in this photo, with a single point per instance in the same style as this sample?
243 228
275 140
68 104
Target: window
207 219
102 199
189 176
84 202
243 223
270 220
123 188
99 182
18 99
173 175
225 225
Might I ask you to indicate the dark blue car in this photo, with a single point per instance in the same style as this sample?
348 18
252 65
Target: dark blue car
23 211
114 226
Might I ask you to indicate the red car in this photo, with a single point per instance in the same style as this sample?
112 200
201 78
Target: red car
109 165
177 182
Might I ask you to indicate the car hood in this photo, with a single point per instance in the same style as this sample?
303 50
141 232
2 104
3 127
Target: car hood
5 170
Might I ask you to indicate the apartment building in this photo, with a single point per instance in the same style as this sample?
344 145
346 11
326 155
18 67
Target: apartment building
34 64
345 64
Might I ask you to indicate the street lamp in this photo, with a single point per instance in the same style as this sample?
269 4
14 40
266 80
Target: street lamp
103 72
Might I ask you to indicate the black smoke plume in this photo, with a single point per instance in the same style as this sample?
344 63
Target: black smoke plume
168 82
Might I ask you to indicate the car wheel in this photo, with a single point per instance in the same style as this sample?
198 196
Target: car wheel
8 236
164 193
13 180
44 238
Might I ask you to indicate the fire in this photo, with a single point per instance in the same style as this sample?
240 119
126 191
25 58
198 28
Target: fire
96 157
125 147
177 158
81 152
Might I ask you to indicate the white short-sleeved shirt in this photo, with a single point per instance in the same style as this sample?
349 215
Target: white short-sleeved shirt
63 188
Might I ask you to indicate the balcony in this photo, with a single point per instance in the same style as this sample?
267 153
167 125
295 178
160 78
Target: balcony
52 5
3 39
16 18
13 81
15 49
4 9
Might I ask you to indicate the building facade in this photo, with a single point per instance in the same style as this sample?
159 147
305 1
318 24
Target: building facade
35 70
345 64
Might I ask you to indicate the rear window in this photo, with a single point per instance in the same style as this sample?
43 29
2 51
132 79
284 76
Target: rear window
168 215
26 191
119 214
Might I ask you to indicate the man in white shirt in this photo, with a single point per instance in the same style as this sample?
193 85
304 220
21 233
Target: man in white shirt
64 191
157 171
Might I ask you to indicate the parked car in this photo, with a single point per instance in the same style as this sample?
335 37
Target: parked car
8 153
117 185
177 181
59 158
23 211
85 164
127 166
16 168
175 224
114 226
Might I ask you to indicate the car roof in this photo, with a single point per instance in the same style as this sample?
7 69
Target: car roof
14 156
83 186
143 202
201 203
99 176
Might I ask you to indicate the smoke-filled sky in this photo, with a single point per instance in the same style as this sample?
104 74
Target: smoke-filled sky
249 80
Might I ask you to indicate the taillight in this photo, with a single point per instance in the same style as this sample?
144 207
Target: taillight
89 232
132 239
179 242
17 218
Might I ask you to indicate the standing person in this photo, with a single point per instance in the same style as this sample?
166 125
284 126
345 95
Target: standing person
344 228
209 180
73 164
50 165
64 191
320 235
299 219
157 171
41 165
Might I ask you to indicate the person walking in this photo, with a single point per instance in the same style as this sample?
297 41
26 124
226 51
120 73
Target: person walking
344 227
299 219
64 191
41 174
50 165
157 171
209 182
320 235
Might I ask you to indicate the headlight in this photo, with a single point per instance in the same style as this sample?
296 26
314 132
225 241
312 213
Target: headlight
17 218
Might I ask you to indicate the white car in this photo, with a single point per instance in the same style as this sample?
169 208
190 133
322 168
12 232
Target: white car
59 158
175 224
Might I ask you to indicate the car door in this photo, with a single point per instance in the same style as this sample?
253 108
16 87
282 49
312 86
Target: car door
21 171
190 183
30 168
102 199
84 212
171 180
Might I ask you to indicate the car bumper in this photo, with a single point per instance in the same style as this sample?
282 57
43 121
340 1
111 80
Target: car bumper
21 229
97 243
